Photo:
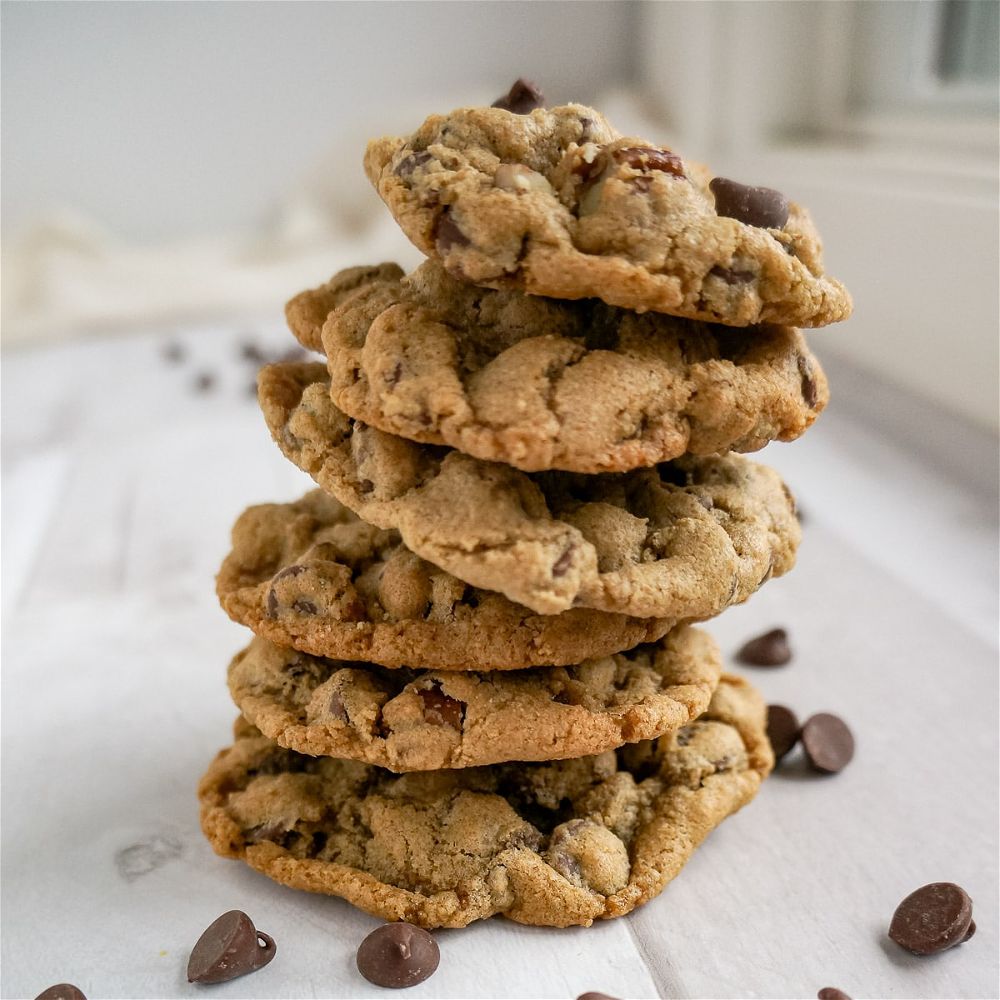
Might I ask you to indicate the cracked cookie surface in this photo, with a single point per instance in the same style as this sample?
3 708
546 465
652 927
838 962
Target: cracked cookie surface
558 844
555 202
408 720
312 575
682 540
545 384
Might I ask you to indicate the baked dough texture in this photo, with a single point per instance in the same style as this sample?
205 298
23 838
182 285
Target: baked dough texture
557 203
414 720
540 383
312 575
557 844
682 540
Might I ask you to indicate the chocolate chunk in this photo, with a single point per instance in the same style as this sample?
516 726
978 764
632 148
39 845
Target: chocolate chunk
932 918
304 607
448 234
768 650
562 564
756 206
732 275
649 158
828 743
231 946
595 996
440 710
205 382
174 353
410 163
809 393
831 993
522 98
782 729
337 708
398 955
62 991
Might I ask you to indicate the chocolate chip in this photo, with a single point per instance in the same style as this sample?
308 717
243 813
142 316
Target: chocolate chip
249 351
448 234
174 353
336 707
595 996
231 946
828 743
831 993
398 955
809 393
205 382
562 564
732 275
932 918
304 607
649 158
440 710
522 98
756 206
62 991
768 650
408 164
565 864
392 379
782 729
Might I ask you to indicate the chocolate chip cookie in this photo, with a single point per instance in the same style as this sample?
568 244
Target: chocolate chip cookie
557 844
314 576
683 540
556 202
545 384
408 720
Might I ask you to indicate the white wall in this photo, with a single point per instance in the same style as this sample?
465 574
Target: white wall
169 119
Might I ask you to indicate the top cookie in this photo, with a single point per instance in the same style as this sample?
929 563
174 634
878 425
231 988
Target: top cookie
541 383
556 202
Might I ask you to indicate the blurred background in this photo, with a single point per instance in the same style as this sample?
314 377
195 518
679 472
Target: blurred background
166 162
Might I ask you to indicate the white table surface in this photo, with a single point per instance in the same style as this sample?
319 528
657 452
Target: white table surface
120 486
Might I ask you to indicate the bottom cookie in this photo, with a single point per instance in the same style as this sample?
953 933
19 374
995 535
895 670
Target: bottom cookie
555 844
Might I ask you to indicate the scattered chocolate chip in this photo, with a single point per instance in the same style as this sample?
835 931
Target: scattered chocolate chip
62 991
448 234
782 729
756 206
828 743
440 710
932 918
649 158
304 607
768 650
522 98
231 946
831 993
595 996
565 864
205 382
562 564
398 955
393 378
249 351
808 382
732 275
408 164
174 353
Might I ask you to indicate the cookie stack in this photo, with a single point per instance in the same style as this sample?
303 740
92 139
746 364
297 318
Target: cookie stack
474 687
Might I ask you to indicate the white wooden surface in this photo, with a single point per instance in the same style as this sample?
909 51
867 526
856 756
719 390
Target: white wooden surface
120 485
